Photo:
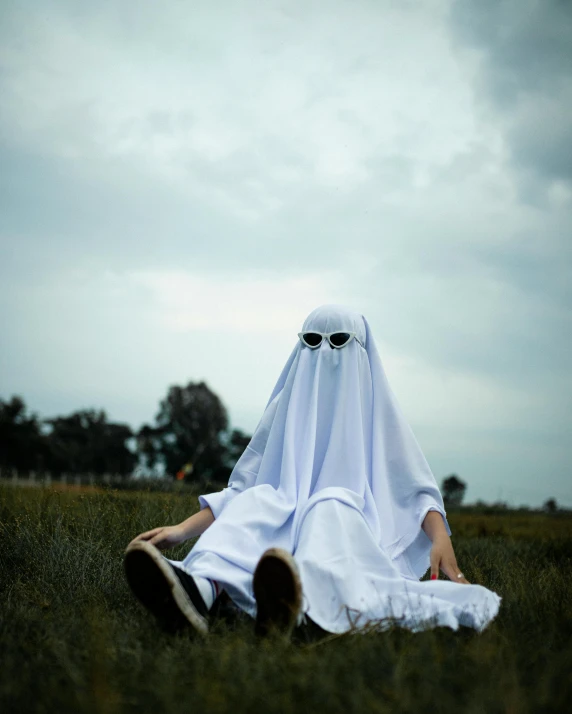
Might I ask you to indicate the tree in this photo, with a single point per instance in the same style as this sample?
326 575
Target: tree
237 443
149 446
550 506
117 457
85 442
190 427
21 442
234 445
453 490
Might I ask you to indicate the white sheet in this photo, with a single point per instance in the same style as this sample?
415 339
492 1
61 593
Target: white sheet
334 474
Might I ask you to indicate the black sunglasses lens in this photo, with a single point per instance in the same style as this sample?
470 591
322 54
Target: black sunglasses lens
312 338
340 339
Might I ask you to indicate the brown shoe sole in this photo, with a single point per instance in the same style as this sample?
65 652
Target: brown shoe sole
278 592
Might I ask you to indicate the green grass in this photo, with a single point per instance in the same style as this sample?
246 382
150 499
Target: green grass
73 639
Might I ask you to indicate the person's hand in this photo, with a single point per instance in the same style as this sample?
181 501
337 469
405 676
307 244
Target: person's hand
443 556
164 537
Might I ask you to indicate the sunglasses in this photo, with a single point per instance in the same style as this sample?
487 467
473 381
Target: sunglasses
337 340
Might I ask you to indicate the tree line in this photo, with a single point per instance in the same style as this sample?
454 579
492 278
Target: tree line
190 439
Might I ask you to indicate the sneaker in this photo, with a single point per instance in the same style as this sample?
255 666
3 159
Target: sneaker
278 592
167 591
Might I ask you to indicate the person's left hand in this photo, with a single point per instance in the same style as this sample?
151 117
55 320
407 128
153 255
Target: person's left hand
163 537
443 556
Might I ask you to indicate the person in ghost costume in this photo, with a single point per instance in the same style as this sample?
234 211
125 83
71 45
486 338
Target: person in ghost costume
331 513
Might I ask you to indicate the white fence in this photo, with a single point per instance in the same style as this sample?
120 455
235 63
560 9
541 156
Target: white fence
45 478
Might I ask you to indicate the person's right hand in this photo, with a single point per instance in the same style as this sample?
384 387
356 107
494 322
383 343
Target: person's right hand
164 537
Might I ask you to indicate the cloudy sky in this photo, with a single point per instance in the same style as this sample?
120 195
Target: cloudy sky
182 183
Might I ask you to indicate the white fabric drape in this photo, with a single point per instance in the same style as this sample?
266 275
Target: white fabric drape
333 440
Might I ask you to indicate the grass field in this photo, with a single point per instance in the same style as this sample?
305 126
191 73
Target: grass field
73 639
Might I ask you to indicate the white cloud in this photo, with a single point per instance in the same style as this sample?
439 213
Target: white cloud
250 303
213 171
274 97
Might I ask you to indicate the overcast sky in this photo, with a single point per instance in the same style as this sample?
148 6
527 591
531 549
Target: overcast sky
182 183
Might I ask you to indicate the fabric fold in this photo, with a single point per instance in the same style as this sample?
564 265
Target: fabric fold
332 436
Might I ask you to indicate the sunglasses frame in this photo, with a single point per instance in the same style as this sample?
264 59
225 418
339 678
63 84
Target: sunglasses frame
327 335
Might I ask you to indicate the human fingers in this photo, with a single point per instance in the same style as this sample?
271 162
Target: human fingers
452 571
162 540
167 538
148 535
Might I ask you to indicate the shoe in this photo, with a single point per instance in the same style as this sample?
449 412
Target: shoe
167 591
278 592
